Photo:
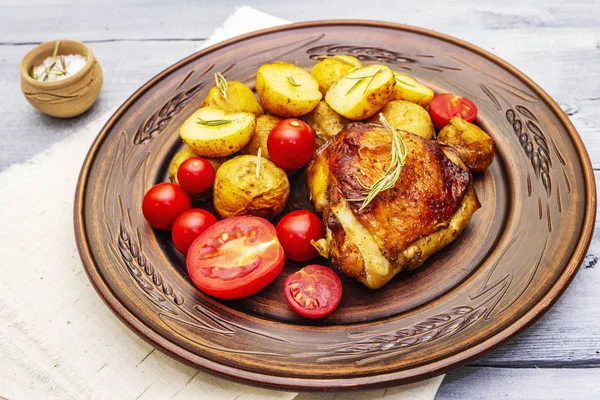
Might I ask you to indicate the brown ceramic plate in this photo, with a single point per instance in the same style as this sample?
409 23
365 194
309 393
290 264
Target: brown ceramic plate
518 254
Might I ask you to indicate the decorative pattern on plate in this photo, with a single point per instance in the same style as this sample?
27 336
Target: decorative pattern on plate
159 120
379 55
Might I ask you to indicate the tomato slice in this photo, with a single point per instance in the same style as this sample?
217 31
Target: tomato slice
446 105
314 291
235 258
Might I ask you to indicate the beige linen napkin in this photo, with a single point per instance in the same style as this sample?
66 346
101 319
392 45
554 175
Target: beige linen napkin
57 338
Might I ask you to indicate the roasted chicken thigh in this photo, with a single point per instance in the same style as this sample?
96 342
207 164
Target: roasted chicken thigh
429 206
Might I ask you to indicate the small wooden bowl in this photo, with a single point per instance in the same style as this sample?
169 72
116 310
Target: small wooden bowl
69 97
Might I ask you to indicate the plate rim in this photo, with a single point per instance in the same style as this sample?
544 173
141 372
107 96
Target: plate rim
363 382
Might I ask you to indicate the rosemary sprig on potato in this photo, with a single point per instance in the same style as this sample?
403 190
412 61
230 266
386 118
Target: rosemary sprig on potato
221 84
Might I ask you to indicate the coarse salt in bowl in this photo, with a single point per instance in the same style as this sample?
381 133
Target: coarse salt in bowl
65 92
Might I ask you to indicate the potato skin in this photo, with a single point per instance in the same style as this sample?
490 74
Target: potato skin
362 101
325 122
237 190
240 98
330 69
279 97
475 147
407 116
264 124
409 89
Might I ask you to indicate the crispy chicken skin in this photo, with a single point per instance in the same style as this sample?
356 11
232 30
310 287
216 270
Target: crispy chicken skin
431 203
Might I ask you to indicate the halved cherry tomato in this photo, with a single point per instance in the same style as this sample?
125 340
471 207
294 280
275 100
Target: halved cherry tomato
291 143
163 203
196 175
314 291
236 257
445 106
296 230
189 225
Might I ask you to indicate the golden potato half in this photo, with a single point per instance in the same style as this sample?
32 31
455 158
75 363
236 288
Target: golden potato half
286 90
331 69
211 132
362 92
407 116
409 89
475 147
238 191
240 98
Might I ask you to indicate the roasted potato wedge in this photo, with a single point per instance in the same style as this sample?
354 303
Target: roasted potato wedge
211 132
238 191
240 98
362 92
286 90
331 69
475 147
264 124
409 89
325 122
407 116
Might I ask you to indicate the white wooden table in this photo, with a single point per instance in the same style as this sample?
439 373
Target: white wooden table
556 43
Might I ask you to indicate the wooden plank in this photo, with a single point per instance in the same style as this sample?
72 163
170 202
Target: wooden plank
477 383
173 19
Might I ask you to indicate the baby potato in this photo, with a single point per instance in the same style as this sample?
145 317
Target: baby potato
475 147
407 116
325 122
211 132
240 98
286 90
409 89
238 191
264 124
331 69
362 92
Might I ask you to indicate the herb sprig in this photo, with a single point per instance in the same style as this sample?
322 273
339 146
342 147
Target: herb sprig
362 79
221 84
258 159
291 80
214 122
48 69
390 176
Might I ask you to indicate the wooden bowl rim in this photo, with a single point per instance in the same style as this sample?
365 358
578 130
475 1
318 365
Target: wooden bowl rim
361 382
27 64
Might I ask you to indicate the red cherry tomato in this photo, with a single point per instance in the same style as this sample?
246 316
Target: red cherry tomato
163 203
235 258
196 175
296 230
445 106
189 225
291 143
314 291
